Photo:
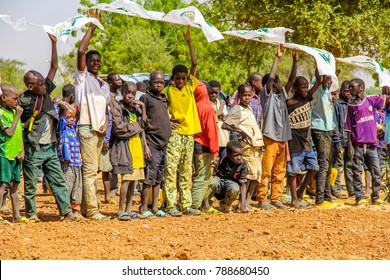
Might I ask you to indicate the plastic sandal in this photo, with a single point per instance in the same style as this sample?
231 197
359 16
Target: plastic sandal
124 216
161 214
135 215
213 211
22 220
98 217
175 213
147 214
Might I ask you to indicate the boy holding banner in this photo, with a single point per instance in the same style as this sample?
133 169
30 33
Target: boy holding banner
276 132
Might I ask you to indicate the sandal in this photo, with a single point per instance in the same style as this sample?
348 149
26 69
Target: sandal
34 219
280 205
175 213
135 215
22 220
161 214
124 216
111 201
98 217
147 214
302 205
213 211
72 217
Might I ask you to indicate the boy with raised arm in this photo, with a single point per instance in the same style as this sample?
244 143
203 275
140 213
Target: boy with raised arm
92 99
40 121
184 123
276 131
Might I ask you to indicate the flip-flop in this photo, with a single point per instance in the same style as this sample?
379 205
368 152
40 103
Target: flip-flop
22 220
146 215
302 205
135 215
124 216
213 211
161 214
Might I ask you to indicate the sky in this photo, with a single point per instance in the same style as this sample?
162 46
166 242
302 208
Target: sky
33 46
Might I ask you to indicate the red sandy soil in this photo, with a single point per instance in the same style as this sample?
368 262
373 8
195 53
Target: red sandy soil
348 232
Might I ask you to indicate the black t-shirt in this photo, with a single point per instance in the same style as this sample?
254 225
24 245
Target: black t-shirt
158 126
235 172
299 114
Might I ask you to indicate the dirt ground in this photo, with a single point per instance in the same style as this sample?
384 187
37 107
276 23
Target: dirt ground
347 232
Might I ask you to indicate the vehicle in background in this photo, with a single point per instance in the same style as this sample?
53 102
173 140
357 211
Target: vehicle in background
137 77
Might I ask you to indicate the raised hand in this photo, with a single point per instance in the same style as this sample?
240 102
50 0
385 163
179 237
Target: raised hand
295 55
94 13
187 36
280 51
52 38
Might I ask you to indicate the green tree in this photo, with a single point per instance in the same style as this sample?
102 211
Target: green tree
12 72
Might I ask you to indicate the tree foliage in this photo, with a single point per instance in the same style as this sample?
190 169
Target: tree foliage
343 27
11 72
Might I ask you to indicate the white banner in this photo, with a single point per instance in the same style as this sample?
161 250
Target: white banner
193 17
273 36
186 16
326 63
64 29
18 24
371 64
129 8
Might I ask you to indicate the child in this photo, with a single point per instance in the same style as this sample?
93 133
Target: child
141 90
184 123
157 130
69 155
11 148
361 125
322 127
230 179
220 108
302 156
40 120
206 146
341 161
241 120
127 158
276 131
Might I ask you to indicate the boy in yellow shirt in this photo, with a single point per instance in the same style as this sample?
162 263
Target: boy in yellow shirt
184 123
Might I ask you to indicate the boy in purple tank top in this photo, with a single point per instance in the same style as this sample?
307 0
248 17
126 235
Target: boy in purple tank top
361 124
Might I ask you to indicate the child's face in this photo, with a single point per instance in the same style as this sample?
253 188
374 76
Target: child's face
129 94
235 156
93 64
345 91
246 96
71 116
302 88
157 83
354 89
214 92
277 87
116 82
257 85
335 95
10 100
37 85
180 79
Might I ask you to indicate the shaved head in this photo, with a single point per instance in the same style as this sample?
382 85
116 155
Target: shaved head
31 76
9 89
156 74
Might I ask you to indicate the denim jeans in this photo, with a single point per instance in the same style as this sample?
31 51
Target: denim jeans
370 152
323 143
342 162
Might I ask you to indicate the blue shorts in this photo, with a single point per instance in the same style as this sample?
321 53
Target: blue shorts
302 161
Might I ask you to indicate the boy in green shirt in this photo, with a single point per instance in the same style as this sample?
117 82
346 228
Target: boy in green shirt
11 148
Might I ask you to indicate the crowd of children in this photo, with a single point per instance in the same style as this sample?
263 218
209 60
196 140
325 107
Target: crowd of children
180 142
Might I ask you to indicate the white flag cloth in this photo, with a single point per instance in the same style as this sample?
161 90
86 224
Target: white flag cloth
371 64
64 29
193 17
273 36
326 63
18 24
129 8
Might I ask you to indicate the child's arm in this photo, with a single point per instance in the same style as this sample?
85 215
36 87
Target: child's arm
141 105
243 198
319 80
81 59
11 130
123 130
20 157
145 147
54 58
194 60
232 127
272 74
293 74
